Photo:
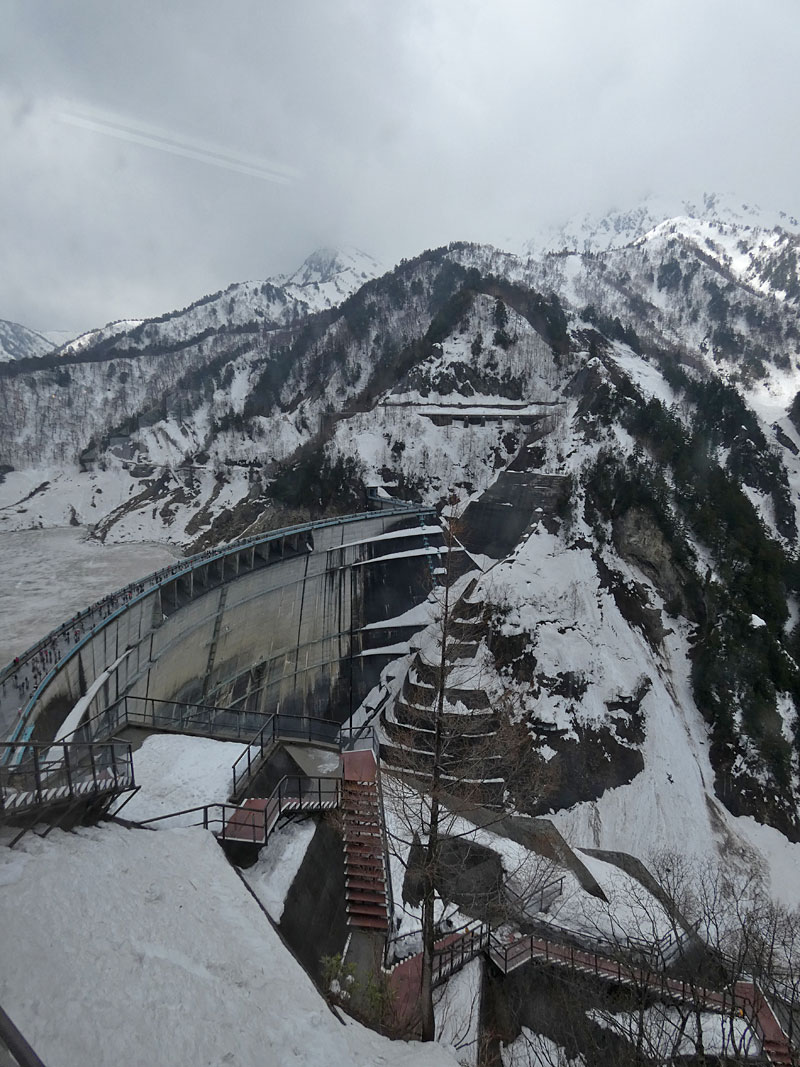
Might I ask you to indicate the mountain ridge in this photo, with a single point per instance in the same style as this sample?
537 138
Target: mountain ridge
632 409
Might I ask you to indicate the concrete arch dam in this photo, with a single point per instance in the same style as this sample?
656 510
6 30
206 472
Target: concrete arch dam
297 620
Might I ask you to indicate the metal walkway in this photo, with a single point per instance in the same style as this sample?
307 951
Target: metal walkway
37 777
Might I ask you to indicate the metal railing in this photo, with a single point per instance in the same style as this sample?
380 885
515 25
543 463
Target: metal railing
102 613
180 716
185 717
252 824
13 1041
284 728
458 948
512 954
35 774
452 948
536 900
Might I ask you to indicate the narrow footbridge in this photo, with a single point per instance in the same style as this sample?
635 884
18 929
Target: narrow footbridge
744 1000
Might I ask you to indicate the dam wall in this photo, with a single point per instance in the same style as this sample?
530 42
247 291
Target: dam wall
290 621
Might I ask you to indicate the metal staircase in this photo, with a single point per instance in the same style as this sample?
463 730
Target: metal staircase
365 871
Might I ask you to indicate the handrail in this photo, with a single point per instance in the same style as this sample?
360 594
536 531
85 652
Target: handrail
60 771
508 956
278 727
387 874
237 823
463 947
524 903
144 587
16 1044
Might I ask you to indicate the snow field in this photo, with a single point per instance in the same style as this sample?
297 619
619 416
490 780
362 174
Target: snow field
135 947
175 772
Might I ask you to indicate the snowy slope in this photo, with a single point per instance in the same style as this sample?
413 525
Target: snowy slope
326 278
620 227
18 342
149 944
330 275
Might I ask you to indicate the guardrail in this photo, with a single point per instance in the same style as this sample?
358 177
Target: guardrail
153 713
12 1040
253 823
37 773
180 715
538 899
458 948
284 728
514 953
139 590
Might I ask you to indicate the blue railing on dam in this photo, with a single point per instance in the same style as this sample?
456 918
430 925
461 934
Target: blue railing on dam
49 648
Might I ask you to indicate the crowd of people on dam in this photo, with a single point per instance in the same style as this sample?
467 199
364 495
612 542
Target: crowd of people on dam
20 678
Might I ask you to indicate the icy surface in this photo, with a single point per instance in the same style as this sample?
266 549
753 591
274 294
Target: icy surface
51 574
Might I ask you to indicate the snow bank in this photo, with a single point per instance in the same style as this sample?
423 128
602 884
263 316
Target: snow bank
177 772
134 947
272 874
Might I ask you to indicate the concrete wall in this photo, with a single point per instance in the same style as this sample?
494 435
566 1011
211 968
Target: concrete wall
265 626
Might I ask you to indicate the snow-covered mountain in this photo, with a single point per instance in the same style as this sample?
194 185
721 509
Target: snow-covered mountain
329 275
618 426
18 342
325 279
620 227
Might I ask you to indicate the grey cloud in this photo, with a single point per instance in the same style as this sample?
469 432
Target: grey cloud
400 126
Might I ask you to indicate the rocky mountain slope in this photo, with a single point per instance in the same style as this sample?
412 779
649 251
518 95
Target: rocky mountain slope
616 427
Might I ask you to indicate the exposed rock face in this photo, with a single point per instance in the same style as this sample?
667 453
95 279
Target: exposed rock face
640 541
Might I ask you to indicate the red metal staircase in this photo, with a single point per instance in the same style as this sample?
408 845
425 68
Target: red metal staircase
365 872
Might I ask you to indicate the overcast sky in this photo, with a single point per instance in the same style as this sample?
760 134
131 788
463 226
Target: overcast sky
157 150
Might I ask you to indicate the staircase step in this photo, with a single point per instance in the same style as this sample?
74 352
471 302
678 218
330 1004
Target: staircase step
368 923
357 883
375 860
364 848
362 896
364 866
375 910
371 855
